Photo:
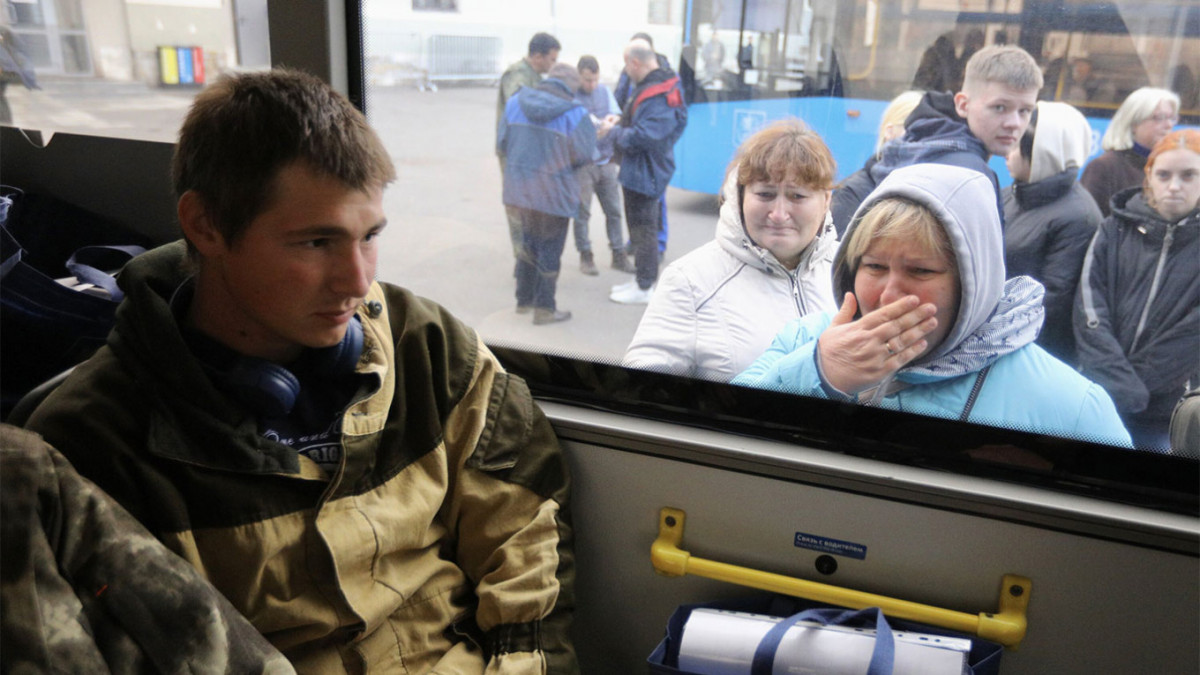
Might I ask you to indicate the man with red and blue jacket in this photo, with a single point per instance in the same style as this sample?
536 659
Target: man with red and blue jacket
652 120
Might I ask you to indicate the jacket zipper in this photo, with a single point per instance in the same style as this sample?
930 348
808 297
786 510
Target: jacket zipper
1158 270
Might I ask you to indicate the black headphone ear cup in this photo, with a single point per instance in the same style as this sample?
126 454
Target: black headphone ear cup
342 357
270 390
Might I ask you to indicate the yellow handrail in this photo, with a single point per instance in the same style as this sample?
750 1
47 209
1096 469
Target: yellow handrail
1006 627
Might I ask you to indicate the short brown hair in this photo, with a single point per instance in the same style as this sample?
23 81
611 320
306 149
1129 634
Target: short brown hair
786 150
243 129
1007 64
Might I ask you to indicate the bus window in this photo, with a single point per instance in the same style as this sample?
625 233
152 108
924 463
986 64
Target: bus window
834 65
775 47
121 68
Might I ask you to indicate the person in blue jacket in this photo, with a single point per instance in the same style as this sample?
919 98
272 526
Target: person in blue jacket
928 324
652 120
623 94
544 137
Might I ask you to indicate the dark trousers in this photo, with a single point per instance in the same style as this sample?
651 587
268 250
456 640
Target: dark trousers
543 238
643 213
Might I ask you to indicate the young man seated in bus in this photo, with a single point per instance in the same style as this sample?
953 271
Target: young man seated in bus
988 117
343 460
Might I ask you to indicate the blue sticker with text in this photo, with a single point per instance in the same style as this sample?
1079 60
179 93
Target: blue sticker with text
834 546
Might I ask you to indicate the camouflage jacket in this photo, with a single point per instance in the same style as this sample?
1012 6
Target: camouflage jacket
439 543
86 589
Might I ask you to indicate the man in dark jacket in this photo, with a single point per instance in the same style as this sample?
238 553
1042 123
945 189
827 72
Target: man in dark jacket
986 118
651 121
544 137
623 93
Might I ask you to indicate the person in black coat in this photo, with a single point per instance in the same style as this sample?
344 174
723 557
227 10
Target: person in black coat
855 188
1049 217
1137 312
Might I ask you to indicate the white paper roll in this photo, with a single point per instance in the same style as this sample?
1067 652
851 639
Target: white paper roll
717 642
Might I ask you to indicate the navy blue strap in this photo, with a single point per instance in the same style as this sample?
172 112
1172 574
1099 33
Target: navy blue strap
88 265
882 657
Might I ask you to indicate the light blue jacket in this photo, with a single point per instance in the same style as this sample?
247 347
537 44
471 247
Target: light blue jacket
1023 387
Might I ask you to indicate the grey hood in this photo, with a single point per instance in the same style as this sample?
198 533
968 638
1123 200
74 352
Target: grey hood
994 317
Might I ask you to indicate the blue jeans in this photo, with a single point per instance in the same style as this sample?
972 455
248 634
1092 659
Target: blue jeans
543 236
644 215
601 181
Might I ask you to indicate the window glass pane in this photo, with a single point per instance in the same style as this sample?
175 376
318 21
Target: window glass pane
433 96
75 54
69 13
127 68
28 12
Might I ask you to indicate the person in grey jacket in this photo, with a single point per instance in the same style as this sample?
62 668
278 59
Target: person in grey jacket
717 308
1137 314
1049 217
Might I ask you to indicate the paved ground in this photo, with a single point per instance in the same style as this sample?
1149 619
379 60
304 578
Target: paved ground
448 237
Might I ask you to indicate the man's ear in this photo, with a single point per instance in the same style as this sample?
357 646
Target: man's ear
196 224
960 104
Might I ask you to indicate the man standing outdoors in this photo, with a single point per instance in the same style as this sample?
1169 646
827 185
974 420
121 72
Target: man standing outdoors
600 178
543 53
645 138
545 139
346 462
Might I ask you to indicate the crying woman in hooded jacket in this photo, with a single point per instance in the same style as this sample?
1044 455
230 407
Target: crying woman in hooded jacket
928 322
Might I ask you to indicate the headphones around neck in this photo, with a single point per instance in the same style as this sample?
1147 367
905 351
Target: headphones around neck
270 390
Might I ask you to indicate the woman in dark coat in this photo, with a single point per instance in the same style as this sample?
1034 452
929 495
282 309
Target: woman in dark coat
1137 313
1049 218
1143 119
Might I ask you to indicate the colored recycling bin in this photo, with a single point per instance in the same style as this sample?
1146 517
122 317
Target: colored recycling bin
180 66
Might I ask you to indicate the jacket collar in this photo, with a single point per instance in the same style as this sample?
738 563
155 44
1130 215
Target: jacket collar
1045 191
191 421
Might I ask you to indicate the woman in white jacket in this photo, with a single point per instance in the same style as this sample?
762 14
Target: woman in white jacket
717 308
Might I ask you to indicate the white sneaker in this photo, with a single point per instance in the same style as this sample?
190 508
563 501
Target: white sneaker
621 288
632 296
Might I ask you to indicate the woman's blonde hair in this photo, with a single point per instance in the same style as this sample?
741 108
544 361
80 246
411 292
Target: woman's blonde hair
786 150
895 115
896 219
